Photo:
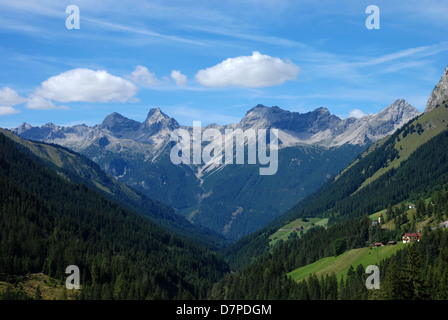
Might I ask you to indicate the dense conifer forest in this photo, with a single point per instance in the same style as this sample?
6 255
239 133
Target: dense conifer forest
418 271
424 172
48 223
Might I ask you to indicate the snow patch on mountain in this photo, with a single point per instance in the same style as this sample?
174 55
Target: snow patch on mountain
119 134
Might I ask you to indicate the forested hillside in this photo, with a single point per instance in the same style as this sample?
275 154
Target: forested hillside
48 223
417 271
79 169
423 144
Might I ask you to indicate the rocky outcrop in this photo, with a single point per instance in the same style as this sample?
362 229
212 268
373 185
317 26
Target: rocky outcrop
440 93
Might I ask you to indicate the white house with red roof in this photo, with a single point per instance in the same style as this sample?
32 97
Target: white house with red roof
411 237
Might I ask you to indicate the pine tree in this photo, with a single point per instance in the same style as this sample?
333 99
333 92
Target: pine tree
389 212
94 272
414 275
392 284
314 287
420 208
442 285
120 288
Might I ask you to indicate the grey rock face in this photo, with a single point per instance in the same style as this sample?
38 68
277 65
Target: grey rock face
234 200
440 93
318 127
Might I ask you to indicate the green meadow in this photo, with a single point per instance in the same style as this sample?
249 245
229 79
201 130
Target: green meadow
285 232
340 265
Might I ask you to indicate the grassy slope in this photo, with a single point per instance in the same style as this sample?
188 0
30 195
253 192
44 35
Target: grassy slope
365 256
284 232
30 285
432 123
340 265
323 202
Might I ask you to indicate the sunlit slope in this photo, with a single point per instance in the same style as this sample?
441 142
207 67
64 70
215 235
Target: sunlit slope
340 265
419 131
408 164
296 228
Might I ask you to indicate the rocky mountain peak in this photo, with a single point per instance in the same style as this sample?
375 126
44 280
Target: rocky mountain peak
393 116
157 120
22 128
155 115
256 117
399 103
256 112
317 127
440 93
116 122
258 107
322 110
400 107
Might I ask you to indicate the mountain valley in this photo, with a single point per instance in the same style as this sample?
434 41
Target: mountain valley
59 207
233 200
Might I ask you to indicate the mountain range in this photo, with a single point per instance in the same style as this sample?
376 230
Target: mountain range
77 168
317 127
233 200
402 167
58 208
53 216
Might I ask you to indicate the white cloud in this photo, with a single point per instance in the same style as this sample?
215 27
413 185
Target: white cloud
253 71
142 76
38 103
8 97
7 111
356 113
86 85
178 77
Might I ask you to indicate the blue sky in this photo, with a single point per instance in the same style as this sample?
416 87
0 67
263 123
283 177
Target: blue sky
212 61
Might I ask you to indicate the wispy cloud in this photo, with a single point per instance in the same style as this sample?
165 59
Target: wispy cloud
341 62
410 53
358 68
139 31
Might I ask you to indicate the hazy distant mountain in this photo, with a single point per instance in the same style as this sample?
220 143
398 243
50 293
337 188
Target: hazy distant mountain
231 199
319 127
